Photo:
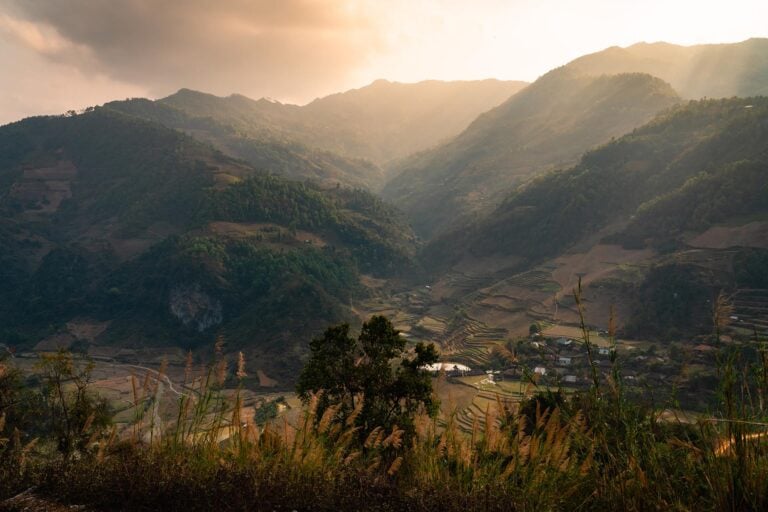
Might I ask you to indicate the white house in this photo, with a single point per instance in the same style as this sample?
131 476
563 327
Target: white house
564 360
570 379
604 351
539 370
447 367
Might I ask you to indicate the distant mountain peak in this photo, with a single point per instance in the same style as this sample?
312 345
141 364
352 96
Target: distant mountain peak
184 91
550 123
380 122
708 70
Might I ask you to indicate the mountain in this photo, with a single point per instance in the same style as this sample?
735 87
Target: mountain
148 237
381 122
711 70
696 165
267 148
386 120
547 125
658 221
333 139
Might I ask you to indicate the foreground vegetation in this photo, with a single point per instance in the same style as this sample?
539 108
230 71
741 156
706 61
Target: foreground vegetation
595 450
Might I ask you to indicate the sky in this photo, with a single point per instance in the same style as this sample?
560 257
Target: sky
57 55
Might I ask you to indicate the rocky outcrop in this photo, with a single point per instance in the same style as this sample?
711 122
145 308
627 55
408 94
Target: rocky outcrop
193 307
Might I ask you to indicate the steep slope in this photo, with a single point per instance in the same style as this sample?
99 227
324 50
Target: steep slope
549 124
380 122
112 220
712 70
389 120
699 164
225 125
655 223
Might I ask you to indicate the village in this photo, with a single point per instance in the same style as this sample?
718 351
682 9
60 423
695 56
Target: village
679 376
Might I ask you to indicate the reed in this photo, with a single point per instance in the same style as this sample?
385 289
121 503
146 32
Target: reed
596 450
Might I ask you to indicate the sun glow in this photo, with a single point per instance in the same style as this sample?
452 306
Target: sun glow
524 39
304 49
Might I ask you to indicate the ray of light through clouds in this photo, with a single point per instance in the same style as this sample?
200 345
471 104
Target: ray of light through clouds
62 54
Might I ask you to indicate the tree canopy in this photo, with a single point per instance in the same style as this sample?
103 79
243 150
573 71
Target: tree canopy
377 368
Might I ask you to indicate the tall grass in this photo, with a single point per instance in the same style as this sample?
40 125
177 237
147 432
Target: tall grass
597 450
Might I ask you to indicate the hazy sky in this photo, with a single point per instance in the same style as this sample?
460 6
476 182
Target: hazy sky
62 54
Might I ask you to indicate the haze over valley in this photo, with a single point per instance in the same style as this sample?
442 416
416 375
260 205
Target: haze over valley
166 223
588 231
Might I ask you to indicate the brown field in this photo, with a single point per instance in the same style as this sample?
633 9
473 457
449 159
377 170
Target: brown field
125 248
595 264
372 282
249 229
486 265
86 329
516 323
512 302
453 396
265 381
752 234
118 383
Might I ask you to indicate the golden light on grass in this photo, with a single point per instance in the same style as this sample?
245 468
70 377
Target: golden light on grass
241 373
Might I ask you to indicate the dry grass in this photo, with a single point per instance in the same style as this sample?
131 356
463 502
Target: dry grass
592 451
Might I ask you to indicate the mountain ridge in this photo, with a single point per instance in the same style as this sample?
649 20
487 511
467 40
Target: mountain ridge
707 70
548 124
380 122
634 174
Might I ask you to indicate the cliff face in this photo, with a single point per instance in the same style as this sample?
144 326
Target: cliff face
195 308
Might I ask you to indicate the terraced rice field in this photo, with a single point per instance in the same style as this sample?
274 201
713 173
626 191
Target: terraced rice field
472 342
751 307
536 279
488 399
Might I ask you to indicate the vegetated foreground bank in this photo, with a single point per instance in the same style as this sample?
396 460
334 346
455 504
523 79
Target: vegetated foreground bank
595 450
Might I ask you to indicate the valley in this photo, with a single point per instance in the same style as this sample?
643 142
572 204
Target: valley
352 255
137 231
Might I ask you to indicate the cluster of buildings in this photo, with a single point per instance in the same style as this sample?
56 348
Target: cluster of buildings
564 359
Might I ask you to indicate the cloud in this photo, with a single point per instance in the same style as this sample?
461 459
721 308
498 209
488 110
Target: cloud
257 47
60 54
37 38
30 84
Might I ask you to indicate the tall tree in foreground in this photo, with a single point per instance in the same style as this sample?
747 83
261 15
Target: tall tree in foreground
376 368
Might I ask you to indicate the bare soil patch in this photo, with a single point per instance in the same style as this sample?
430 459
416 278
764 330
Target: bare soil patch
753 234
250 229
596 263
265 381
86 329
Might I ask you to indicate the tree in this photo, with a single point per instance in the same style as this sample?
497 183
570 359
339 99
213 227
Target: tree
332 369
376 368
74 414
11 388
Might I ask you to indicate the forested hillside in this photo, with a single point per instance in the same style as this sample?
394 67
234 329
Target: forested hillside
117 220
380 122
686 193
332 139
263 146
549 124
698 164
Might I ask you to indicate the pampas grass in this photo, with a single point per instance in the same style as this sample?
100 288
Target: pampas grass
594 451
